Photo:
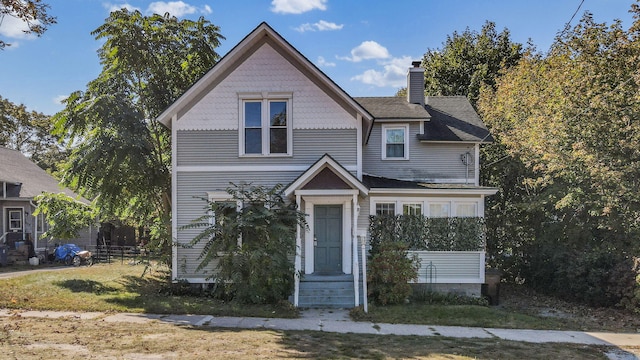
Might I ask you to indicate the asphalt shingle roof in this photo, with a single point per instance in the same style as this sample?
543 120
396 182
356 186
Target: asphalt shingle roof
447 118
392 107
17 168
453 119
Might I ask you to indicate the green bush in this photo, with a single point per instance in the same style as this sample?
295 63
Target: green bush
253 246
432 234
390 273
595 276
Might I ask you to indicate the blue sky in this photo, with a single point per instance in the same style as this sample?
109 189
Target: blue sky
365 46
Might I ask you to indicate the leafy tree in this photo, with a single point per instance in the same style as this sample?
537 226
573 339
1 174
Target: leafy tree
32 12
30 133
469 60
466 62
569 116
252 246
118 151
66 216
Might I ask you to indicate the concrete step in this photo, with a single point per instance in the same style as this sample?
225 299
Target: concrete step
328 291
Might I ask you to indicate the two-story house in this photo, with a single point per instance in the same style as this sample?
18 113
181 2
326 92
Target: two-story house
264 114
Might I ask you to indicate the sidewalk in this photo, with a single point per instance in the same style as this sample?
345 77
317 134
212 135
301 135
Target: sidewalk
338 321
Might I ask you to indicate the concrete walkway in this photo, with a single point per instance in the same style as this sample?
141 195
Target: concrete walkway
338 321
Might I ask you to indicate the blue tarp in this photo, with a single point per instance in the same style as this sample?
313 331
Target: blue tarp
67 250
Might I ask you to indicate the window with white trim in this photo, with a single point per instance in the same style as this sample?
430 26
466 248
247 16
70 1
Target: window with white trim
266 125
412 209
467 209
385 208
439 209
395 142
15 220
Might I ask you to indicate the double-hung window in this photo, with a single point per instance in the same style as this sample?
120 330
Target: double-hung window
15 220
395 142
266 125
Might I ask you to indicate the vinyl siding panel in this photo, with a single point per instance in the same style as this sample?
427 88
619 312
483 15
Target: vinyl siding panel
220 147
427 161
266 70
441 267
192 189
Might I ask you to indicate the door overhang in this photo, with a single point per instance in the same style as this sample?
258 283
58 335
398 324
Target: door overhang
326 176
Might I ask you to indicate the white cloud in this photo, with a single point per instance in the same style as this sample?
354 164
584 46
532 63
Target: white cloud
325 63
14 28
297 6
175 8
115 7
392 74
59 99
366 51
319 26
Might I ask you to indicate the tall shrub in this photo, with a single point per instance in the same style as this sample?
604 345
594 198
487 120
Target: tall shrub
390 272
253 245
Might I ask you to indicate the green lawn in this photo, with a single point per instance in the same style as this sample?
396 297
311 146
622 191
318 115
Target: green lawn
122 288
117 288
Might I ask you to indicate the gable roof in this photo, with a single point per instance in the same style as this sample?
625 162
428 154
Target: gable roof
15 168
326 161
242 51
453 119
393 107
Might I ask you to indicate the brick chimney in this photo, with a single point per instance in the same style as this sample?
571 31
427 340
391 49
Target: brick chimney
415 84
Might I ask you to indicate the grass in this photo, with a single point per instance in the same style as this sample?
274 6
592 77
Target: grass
456 315
118 288
121 288
30 338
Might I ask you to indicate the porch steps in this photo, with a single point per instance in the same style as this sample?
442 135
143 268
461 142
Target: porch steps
326 291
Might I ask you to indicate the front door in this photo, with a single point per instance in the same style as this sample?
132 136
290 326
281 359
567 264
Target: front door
328 239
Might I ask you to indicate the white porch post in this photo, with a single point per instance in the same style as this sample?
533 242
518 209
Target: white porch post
354 242
298 260
364 275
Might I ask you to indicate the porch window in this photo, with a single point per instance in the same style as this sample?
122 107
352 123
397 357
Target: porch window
266 125
439 209
385 208
412 209
395 142
467 209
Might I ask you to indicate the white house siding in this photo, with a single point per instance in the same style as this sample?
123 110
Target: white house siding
430 162
193 187
220 148
266 71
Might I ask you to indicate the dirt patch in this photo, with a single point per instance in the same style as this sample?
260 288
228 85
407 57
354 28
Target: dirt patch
525 300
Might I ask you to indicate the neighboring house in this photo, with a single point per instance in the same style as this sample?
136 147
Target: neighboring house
266 115
21 181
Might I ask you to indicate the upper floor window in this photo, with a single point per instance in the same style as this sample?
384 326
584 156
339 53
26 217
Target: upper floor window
266 125
395 142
